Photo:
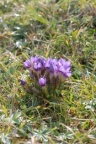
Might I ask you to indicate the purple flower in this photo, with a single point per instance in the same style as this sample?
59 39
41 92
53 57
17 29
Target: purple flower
51 65
64 67
27 64
37 66
47 63
52 69
64 63
23 82
34 59
42 81
37 63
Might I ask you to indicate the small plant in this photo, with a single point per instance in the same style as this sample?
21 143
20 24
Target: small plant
46 74
44 79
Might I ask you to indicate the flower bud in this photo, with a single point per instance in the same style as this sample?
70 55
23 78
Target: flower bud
42 81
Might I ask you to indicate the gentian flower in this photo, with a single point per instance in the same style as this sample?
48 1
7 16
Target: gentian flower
27 64
64 67
37 66
47 63
34 59
42 81
50 64
54 70
42 60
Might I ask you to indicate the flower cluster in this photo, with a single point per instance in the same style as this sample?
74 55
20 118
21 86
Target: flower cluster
48 71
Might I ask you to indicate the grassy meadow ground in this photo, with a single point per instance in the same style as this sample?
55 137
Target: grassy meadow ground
61 29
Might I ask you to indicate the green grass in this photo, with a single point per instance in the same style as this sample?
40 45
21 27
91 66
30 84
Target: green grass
66 29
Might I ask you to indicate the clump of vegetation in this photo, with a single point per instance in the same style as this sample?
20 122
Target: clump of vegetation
44 80
39 103
48 73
